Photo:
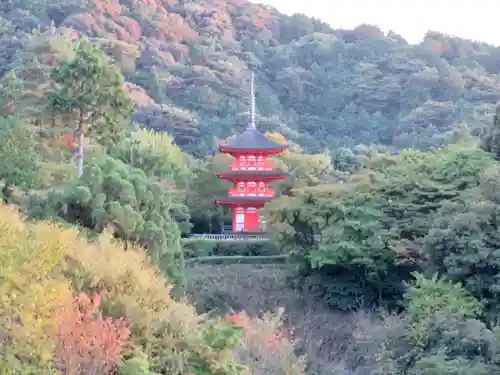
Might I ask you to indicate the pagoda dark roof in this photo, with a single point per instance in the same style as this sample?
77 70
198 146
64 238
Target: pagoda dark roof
252 139
237 199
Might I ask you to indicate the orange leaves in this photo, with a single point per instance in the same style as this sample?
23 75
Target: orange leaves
238 320
133 27
47 328
269 340
436 47
267 347
87 343
70 141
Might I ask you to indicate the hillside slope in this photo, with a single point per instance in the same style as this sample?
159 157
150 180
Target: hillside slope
187 62
331 340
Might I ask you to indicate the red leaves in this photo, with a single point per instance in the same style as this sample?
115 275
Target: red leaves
10 107
436 47
87 343
269 341
70 141
132 27
238 320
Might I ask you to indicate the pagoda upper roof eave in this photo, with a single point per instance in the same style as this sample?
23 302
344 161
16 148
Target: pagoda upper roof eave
249 151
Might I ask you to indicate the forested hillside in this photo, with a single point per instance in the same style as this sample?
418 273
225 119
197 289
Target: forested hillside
188 64
384 257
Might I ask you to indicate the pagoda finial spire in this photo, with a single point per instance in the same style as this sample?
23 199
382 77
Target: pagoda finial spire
251 120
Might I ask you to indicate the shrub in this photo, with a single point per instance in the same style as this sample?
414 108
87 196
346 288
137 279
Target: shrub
267 348
169 333
31 293
54 174
20 164
88 343
200 248
112 194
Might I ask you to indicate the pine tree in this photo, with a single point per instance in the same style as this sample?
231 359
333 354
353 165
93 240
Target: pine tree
90 94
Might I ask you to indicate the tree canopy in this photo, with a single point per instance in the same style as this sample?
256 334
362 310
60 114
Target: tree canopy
187 65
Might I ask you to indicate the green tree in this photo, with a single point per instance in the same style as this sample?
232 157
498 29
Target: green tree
491 140
463 243
90 93
157 155
440 334
371 226
33 65
112 195
20 163
461 134
205 213
10 89
304 169
426 297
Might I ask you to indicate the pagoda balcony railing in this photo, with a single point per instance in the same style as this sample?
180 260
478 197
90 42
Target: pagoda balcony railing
236 193
265 166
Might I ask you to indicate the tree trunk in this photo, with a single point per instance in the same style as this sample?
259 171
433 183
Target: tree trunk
79 157
80 151
7 192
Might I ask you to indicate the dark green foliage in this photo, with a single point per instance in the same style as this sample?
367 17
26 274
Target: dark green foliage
157 155
19 161
439 334
491 140
137 365
372 225
353 265
90 91
200 248
326 87
463 244
207 216
113 195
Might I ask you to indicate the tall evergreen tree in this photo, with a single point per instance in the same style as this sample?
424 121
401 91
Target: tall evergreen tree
90 94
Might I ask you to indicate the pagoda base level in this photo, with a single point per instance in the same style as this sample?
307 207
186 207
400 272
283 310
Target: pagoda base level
247 219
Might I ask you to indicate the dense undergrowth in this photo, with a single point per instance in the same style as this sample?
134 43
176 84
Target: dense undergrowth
72 306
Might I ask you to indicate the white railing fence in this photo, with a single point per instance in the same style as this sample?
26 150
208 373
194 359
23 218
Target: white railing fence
229 237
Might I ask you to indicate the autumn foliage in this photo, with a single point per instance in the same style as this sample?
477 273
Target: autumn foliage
70 306
31 297
267 347
87 342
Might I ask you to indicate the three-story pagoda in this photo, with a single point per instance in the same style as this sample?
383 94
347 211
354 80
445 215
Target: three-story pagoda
251 172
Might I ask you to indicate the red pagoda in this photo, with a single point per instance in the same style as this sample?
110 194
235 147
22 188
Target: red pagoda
251 173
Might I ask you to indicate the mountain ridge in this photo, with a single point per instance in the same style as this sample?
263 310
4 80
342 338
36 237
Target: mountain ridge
189 62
